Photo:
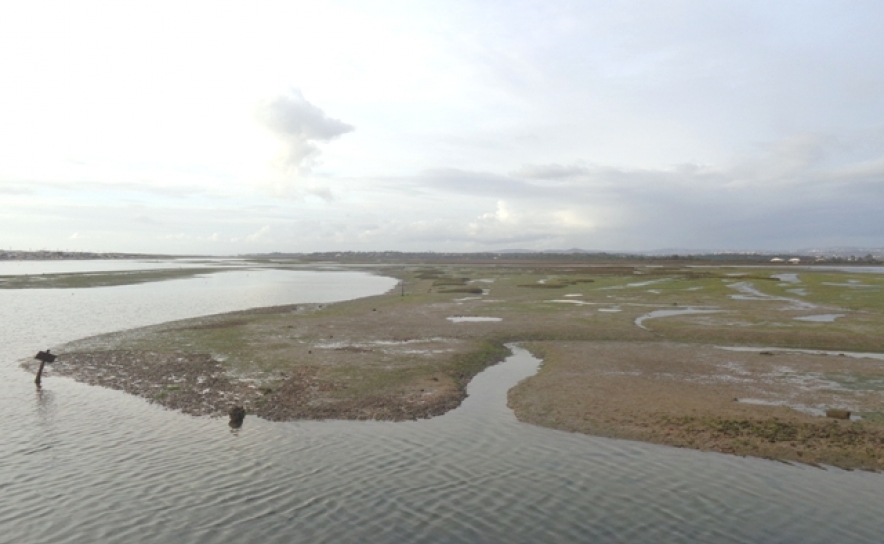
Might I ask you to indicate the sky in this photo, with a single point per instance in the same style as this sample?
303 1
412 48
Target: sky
228 128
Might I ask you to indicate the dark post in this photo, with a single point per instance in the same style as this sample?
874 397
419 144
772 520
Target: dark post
403 288
237 415
44 357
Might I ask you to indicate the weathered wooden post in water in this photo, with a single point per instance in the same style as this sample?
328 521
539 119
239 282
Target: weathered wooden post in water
44 357
237 415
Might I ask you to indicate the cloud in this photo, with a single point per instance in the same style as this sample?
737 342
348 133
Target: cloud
260 235
465 182
145 219
14 189
787 161
299 125
551 171
803 190
510 224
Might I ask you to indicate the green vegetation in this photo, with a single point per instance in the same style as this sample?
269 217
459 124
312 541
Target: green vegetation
450 281
398 357
467 290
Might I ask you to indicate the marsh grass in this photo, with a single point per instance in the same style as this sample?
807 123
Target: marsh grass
450 281
430 274
385 354
467 290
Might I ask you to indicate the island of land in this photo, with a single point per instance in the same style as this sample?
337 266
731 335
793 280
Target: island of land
738 359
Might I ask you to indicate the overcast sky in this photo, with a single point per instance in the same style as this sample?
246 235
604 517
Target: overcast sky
217 128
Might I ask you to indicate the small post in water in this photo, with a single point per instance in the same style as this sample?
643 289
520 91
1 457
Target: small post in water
44 357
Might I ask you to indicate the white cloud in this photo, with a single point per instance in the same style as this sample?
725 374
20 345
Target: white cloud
502 215
259 234
299 125
529 223
551 171
573 220
540 123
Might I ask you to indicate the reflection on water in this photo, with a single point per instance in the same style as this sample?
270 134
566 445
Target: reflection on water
45 404
86 464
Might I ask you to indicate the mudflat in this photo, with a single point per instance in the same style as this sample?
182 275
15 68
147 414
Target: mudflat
757 403
630 351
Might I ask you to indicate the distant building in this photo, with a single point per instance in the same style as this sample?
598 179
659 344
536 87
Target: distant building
777 260
794 260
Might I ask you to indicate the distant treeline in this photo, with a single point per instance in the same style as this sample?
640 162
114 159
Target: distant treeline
46 255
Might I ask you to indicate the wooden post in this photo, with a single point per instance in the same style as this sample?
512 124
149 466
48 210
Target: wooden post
39 373
44 357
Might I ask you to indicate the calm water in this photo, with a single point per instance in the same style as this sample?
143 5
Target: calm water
84 464
8 268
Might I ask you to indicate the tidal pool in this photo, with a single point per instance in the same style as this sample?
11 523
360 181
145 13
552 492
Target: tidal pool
787 278
820 318
749 292
639 321
854 354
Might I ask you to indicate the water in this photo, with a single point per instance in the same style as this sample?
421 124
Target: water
8 268
751 293
820 318
639 321
854 354
787 278
85 464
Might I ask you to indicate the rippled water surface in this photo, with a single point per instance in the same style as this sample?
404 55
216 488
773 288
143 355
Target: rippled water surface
85 464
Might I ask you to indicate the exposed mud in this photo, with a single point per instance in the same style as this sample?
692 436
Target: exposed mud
399 356
199 385
689 396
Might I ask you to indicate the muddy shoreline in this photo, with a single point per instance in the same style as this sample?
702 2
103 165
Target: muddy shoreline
199 385
401 356
703 398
